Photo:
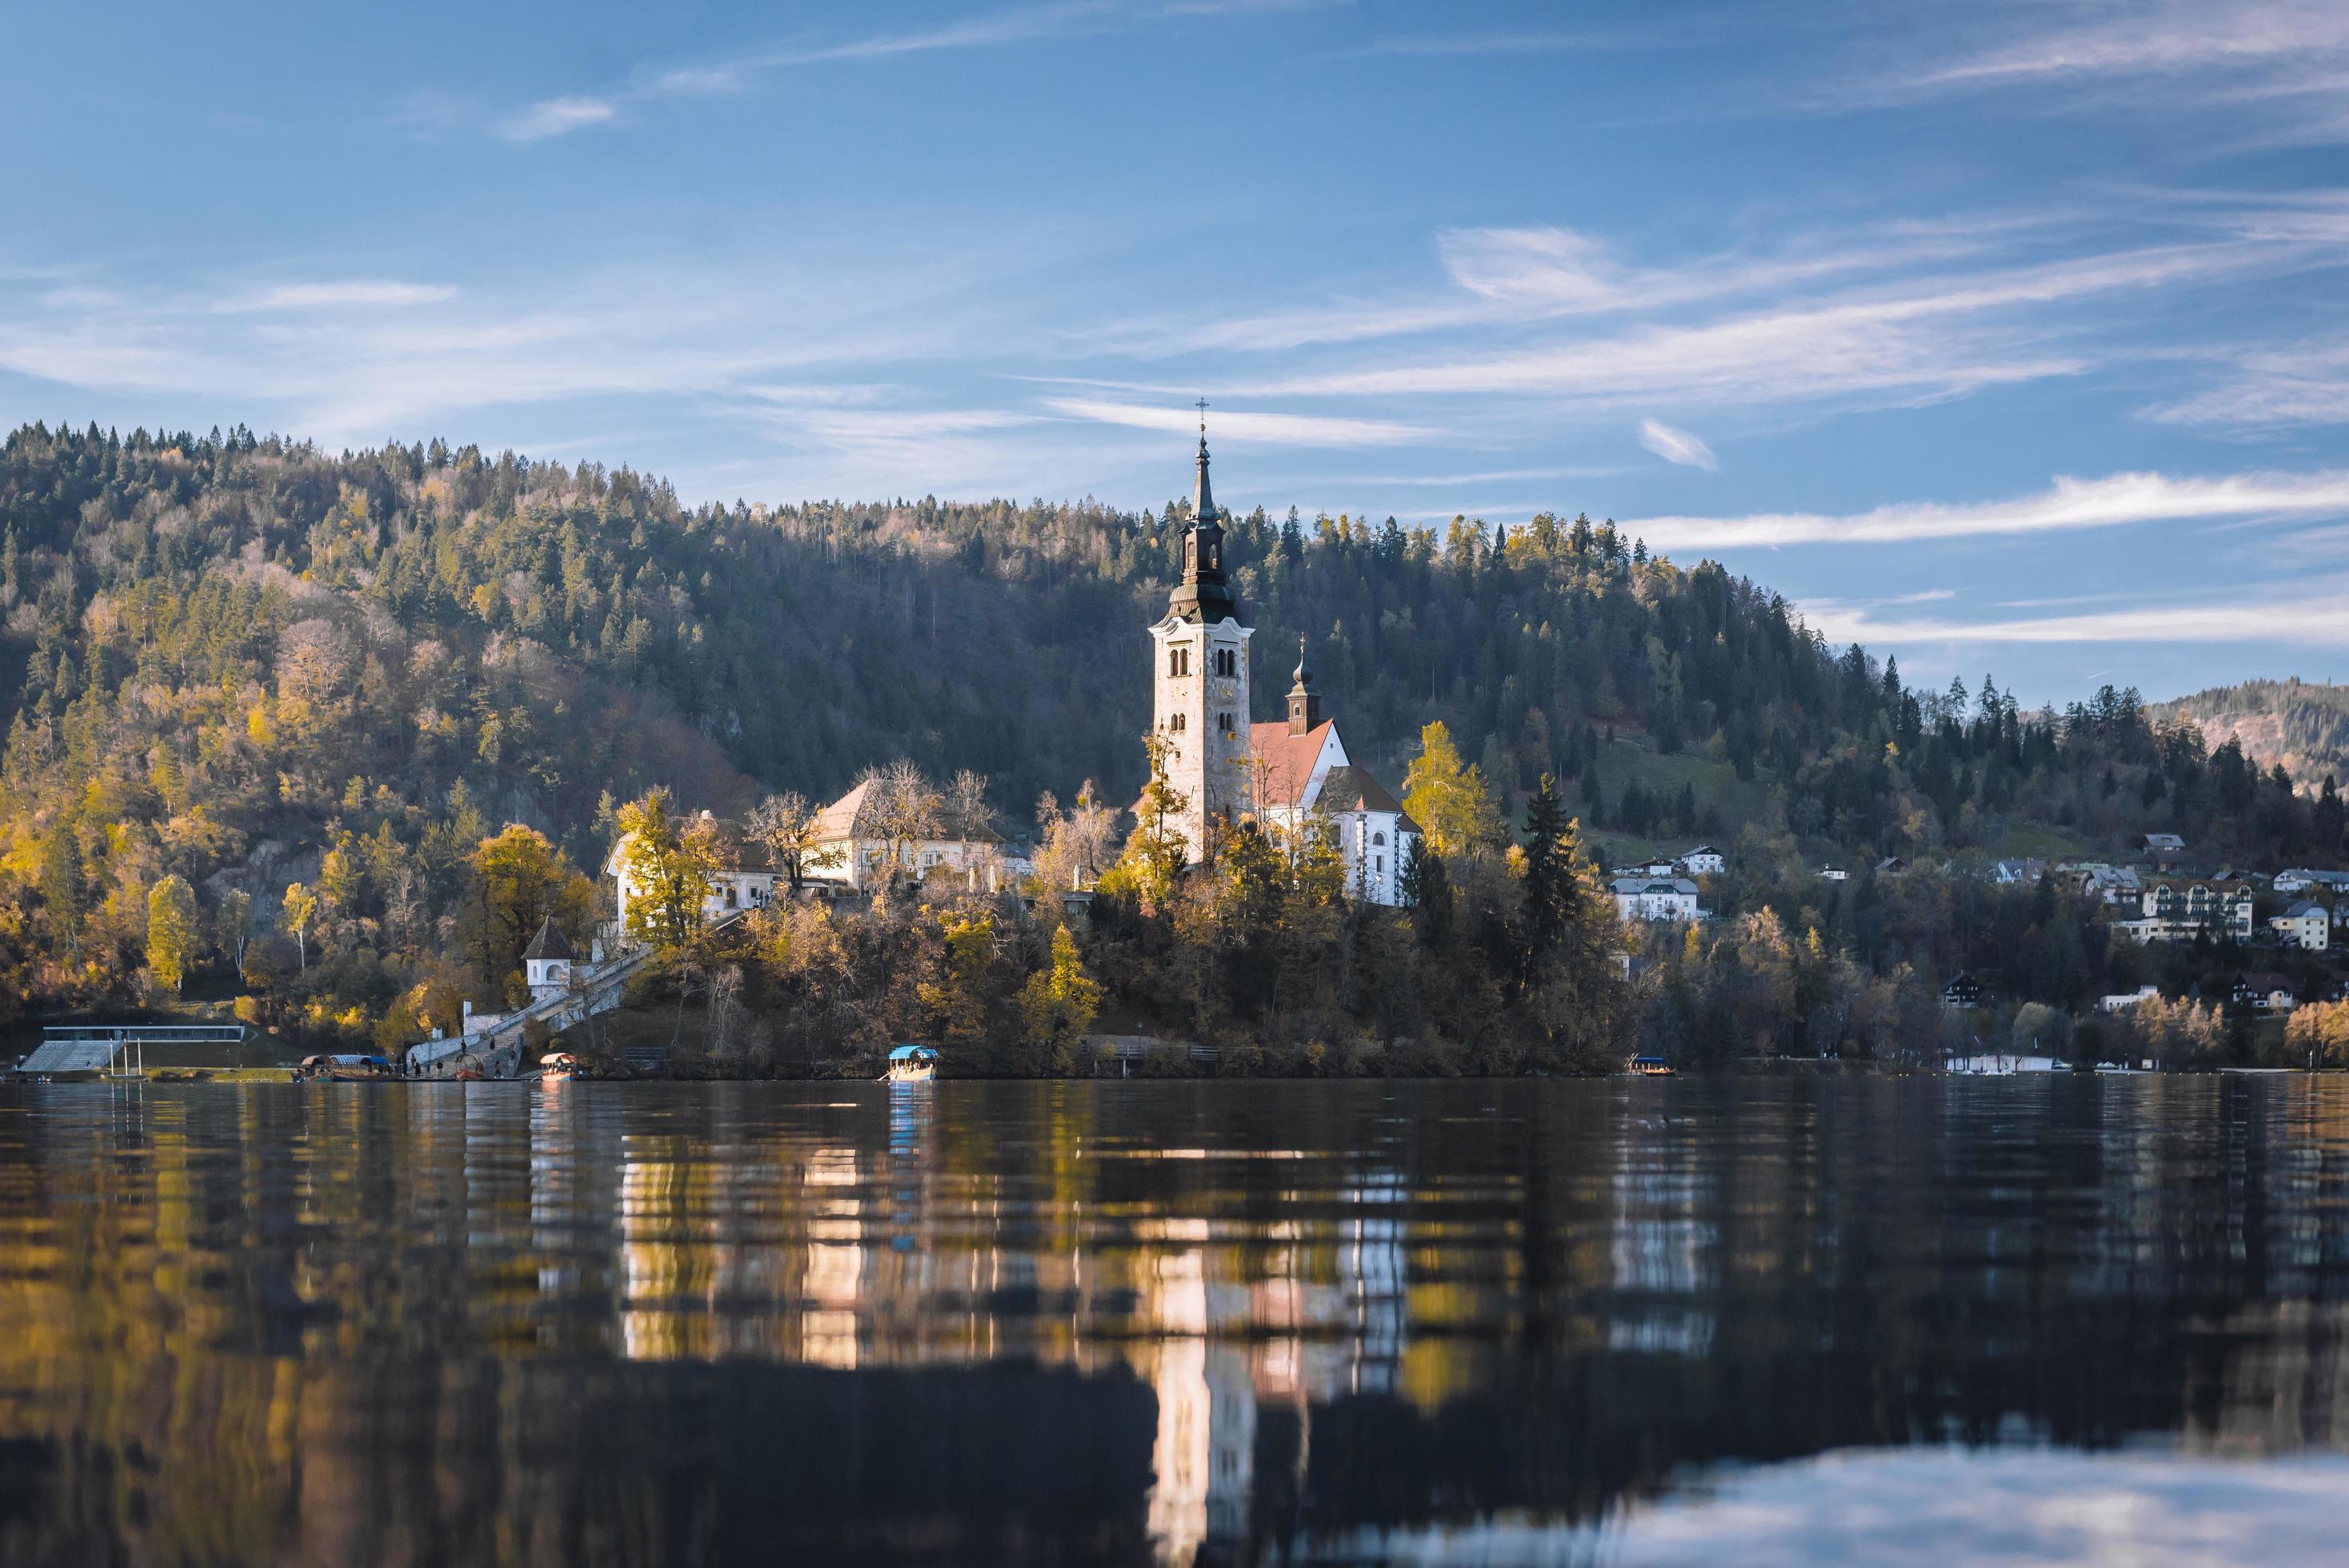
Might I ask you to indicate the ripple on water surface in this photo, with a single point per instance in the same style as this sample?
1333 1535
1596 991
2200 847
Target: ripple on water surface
1641 1323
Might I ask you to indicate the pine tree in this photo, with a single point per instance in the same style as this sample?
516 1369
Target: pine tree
1550 886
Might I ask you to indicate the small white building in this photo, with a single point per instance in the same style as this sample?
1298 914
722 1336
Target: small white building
1834 874
2302 879
2123 1003
547 963
2306 925
1655 898
1705 861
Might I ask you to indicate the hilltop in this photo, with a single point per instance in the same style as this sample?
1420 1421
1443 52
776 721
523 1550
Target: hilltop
2300 727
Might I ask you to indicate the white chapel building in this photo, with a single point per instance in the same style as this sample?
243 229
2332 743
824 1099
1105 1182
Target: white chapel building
1228 765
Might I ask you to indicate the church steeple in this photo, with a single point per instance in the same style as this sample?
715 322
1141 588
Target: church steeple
1203 595
1304 702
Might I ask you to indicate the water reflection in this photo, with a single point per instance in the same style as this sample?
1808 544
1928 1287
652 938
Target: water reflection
587 1324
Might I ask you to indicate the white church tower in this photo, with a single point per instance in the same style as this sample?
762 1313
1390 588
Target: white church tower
1201 710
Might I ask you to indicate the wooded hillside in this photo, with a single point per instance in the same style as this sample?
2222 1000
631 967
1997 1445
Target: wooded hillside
244 661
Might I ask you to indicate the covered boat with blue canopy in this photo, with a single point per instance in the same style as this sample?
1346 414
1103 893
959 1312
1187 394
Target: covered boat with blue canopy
912 1064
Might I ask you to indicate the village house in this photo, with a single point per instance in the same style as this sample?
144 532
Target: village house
1963 992
743 880
2302 879
849 849
1834 874
2017 872
1703 861
2305 925
1655 898
1285 773
2263 991
2112 884
2166 849
2179 911
2122 1003
852 846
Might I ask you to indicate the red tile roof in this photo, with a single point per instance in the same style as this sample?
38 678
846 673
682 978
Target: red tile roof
1285 761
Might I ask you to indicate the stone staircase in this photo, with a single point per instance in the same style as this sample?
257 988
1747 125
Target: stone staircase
594 988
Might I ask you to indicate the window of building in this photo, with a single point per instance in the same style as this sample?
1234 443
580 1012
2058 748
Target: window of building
1224 722
1379 864
1378 838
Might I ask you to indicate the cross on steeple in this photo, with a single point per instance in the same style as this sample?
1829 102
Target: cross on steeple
1202 420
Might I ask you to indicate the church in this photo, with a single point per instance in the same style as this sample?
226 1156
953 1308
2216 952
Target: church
1229 767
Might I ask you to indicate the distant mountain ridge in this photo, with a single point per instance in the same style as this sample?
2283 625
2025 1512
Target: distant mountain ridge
2303 725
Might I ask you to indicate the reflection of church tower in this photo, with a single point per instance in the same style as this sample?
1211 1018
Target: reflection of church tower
1201 709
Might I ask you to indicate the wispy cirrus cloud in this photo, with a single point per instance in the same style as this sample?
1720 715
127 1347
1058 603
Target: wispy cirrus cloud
557 117
2280 66
1280 429
2115 501
1517 276
2165 37
743 69
2267 388
349 294
1676 445
2295 611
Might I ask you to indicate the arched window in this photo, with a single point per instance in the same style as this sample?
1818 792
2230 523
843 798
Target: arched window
1378 838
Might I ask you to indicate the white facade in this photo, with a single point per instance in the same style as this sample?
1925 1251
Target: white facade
1200 709
860 863
1372 844
546 977
1703 861
2308 926
1655 898
730 891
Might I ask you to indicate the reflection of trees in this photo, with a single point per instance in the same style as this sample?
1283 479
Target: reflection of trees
434 1323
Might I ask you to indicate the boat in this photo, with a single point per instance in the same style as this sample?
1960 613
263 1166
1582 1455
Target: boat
911 1064
557 1066
1647 1066
346 1068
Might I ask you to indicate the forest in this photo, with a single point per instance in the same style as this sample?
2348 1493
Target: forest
318 730
2300 725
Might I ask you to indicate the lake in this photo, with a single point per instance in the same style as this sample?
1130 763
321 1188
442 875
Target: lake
1779 1321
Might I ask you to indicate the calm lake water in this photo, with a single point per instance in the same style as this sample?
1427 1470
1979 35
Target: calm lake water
1496 1322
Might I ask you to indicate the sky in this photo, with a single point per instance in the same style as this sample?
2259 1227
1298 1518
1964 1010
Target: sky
2006 338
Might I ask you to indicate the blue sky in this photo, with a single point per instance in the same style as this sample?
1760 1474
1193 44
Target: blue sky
2005 338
